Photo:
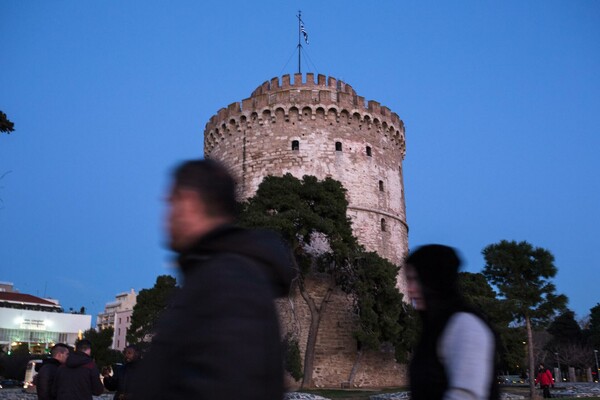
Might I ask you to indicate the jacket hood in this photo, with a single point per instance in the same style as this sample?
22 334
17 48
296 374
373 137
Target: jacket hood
265 247
78 359
47 361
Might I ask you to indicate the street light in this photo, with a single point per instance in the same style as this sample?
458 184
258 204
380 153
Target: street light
597 369
559 377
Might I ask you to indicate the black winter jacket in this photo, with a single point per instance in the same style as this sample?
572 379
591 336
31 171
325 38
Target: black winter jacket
45 378
220 336
77 379
122 379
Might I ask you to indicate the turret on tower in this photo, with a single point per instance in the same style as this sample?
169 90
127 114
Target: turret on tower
324 129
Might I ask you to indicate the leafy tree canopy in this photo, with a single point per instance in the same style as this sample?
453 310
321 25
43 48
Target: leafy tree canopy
101 346
311 215
383 315
522 275
13 365
480 295
565 329
149 305
301 210
594 327
6 125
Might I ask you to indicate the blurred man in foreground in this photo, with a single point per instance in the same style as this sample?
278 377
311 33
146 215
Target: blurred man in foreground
219 338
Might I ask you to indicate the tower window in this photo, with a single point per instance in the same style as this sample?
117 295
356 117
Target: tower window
295 145
383 225
369 151
381 186
338 146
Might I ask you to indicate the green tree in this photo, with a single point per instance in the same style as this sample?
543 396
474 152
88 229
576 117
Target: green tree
6 125
311 216
522 274
304 212
384 318
150 304
101 347
292 358
14 363
594 327
480 295
565 330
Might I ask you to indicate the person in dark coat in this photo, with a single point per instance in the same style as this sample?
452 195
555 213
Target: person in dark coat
78 378
47 371
219 338
124 375
455 356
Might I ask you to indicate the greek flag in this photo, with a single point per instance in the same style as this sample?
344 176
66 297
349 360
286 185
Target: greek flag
303 32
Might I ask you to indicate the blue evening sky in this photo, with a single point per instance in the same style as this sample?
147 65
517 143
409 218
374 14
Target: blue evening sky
501 101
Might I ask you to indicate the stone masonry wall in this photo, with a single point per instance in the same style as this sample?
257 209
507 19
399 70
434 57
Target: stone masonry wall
336 348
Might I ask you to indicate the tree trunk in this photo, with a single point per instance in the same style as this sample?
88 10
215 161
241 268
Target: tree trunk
316 313
532 375
355 368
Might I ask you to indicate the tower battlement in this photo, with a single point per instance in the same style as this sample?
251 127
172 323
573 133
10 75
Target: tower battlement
328 98
321 128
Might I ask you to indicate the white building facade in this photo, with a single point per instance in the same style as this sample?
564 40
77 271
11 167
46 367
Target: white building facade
40 323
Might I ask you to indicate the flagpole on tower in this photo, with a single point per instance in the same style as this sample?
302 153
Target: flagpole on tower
301 32
299 38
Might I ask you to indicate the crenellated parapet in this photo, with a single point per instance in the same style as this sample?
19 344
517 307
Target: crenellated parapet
282 100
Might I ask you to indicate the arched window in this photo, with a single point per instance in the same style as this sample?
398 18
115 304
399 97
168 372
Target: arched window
383 225
381 186
369 151
338 146
295 145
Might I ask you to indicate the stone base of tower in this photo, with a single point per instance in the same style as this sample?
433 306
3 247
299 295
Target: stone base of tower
336 352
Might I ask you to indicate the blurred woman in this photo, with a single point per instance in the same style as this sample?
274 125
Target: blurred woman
455 357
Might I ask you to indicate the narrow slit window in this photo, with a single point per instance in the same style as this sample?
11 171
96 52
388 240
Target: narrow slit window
383 225
338 146
381 186
295 145
369 151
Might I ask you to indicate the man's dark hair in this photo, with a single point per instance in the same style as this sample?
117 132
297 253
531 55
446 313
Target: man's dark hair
213 183
83 344
59 348
132 347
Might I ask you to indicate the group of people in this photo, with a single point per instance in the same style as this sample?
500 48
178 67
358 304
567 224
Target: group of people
73 375
69 375
220 338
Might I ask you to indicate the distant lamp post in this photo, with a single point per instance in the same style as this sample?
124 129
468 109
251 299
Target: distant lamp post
597 369
559 377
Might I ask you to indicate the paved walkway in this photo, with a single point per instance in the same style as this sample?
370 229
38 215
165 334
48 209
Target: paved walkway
19 394
581 390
